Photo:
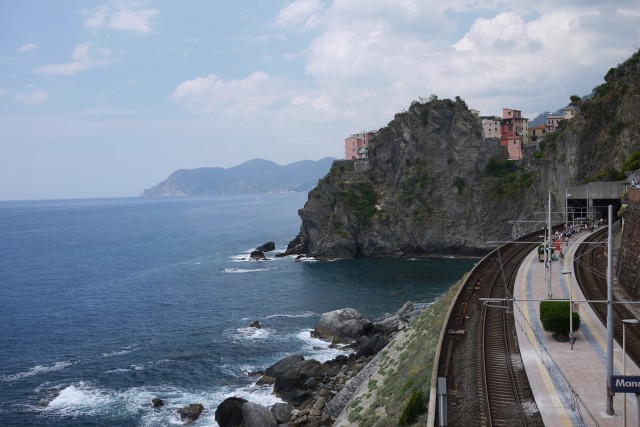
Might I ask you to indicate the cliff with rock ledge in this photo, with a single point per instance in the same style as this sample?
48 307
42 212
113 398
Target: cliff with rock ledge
433 185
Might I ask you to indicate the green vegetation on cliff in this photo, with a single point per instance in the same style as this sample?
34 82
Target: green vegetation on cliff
361 197
508 178
402 377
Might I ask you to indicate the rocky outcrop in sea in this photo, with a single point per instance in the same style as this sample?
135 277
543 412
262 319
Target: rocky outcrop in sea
315 393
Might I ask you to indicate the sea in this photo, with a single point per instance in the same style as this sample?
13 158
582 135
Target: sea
106 304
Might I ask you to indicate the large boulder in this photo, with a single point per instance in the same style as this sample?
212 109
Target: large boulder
391 322
291 377
190 413
254 415
388 324
282 412
257 255
372 346
267 247
342 325
279 368
229 412
296 377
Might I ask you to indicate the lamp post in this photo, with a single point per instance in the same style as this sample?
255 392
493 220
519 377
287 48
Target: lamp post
624 362
572 336
566 208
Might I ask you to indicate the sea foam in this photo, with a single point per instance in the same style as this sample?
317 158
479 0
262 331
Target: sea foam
37 370
318 349
245 270
293 315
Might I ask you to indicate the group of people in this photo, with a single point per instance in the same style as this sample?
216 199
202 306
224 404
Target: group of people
563 236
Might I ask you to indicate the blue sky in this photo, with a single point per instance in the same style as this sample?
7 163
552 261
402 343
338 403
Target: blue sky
107 98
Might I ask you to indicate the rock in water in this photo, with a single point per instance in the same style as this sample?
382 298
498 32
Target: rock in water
157 402
190 413
267 247
255 324
290 375
229 412
342 325
258 255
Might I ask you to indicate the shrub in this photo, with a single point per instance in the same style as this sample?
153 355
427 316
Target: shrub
555 319
601 90
459 183
632 163
362 198
500 168
415 407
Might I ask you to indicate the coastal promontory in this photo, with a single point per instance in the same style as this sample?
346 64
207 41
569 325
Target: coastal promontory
433 185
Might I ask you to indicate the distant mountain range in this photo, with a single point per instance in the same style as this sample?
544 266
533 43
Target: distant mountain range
254 176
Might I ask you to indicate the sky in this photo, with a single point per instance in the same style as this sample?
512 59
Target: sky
107 98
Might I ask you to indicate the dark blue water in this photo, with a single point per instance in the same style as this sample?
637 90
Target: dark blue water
106 304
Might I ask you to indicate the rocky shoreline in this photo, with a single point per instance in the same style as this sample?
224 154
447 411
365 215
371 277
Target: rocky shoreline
314 393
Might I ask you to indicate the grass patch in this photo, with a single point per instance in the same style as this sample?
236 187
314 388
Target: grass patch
391 395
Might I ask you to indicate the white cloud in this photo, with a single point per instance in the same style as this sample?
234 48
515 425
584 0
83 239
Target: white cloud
300 12
367 59
27 47
121 15
321 103
84 57
32 96
401 50
629 12
254 93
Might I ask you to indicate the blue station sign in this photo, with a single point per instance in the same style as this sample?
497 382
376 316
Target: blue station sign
625 384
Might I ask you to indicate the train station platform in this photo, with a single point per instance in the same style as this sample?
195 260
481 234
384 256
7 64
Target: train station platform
570 386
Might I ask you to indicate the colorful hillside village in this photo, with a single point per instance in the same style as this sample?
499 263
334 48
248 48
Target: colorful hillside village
512 129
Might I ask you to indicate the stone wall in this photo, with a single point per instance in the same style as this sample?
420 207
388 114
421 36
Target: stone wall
629 255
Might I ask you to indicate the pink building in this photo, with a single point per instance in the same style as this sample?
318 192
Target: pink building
514 126
357 145
491 127
552 122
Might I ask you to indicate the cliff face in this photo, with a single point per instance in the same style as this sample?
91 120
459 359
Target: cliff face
629 262
596 144
435 186
426 191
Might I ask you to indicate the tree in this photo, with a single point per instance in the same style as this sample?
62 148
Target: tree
575 100
554 315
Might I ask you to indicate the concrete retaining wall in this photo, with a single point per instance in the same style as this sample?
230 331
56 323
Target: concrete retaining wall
629 255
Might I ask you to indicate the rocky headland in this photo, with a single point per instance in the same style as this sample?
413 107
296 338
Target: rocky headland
433 185
254 176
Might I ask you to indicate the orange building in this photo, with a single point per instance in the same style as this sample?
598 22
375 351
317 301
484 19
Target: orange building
537 133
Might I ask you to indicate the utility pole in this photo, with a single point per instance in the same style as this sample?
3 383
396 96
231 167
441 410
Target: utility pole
548 251
610 410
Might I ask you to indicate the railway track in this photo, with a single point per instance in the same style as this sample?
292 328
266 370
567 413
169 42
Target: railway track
590 267
486 381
